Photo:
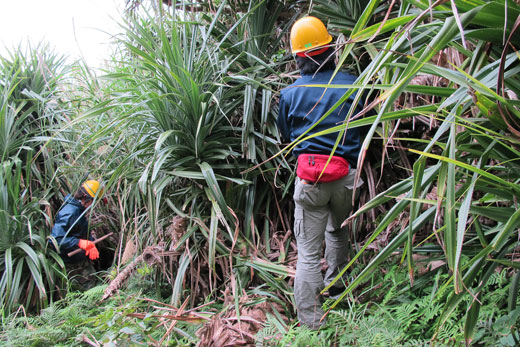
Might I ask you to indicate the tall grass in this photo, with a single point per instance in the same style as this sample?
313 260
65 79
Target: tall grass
189 110
190 107
193 110
462 195
32 275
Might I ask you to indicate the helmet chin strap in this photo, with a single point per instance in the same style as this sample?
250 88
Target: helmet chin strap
308 54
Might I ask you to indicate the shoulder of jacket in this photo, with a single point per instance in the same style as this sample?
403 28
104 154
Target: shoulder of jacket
346 76
69 210
285 91
291 88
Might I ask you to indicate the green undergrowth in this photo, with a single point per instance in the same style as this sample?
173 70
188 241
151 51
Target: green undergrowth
386 312
390 312
81 318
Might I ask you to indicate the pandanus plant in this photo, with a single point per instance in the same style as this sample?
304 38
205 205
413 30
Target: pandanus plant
32 275
190 110
460 201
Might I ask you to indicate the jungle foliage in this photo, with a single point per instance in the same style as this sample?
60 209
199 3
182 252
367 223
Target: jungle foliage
390 313
182 123
32 274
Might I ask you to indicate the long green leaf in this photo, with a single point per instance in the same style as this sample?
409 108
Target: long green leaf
496 179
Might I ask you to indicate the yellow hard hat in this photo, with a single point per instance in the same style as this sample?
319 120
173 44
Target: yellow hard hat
308 33
92 187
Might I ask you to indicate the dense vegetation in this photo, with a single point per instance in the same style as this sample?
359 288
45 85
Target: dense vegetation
181 127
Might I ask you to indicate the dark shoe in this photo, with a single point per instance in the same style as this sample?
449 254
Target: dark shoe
335 292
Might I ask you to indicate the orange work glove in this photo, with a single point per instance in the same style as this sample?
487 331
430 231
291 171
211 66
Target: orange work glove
90 249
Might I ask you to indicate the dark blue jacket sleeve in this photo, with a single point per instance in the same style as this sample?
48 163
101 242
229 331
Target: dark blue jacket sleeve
282 121
60 231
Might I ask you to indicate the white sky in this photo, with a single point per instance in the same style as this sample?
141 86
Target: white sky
73 27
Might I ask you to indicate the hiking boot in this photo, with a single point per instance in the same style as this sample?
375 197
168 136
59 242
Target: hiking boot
335 292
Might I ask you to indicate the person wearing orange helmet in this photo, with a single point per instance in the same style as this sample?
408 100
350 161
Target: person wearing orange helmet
324 185
70 230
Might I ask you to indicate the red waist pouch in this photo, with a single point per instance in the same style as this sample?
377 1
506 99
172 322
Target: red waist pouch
310 167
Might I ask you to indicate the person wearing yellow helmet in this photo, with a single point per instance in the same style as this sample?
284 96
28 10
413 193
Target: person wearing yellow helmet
324 185
70 230
92 187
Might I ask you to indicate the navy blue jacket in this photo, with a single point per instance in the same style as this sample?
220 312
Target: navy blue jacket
70 226
300 107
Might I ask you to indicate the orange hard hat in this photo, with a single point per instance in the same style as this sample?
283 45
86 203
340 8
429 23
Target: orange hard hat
308 33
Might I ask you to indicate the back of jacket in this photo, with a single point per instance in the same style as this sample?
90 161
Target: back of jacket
70 225
300 107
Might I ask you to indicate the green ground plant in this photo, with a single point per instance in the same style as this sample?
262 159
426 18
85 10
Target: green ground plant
390 314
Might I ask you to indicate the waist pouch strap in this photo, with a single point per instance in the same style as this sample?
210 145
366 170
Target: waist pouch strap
310 167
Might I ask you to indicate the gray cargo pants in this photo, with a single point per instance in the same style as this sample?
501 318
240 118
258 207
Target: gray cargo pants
319 211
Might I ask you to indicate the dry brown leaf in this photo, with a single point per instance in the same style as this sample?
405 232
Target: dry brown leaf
226 329
129 252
